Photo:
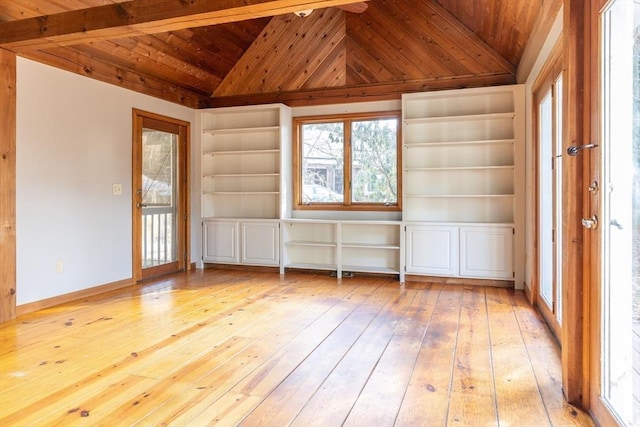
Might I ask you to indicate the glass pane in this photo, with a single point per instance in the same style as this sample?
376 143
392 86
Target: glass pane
635 238
546 199
559 147
158 162
159 171
322 162
621 217
374 159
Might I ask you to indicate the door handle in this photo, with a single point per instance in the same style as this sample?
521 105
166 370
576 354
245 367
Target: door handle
590 223
141 205
616 224
573 150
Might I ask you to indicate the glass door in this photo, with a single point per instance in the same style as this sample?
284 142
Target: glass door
620 292
548 104
159 196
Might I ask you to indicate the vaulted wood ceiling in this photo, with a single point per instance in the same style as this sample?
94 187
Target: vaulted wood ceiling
257 51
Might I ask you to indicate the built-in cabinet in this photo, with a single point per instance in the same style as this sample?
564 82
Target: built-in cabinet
487 252
255 242
463 192
220 240
432 250
245 168
483 252
463 182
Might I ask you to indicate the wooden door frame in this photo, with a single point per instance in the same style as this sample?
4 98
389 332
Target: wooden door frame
593 256
184 206
8 94
546 79
576 241
581 330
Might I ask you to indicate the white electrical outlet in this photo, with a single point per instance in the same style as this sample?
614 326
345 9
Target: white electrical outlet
59 266
117 189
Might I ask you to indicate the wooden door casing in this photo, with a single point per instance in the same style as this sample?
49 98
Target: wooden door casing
182 129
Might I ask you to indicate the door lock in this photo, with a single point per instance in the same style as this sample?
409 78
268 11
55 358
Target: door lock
590 223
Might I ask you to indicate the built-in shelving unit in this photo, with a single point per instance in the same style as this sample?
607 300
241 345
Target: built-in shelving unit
371 247
343 246
462 201
310 245
242 162
245 159
462 160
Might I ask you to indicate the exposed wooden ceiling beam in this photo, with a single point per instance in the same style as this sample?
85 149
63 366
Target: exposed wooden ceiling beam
79 62
368 92
138 17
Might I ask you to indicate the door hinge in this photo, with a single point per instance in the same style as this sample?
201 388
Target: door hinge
514 274
513 231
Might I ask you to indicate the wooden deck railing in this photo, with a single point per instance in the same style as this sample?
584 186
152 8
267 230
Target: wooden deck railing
157 235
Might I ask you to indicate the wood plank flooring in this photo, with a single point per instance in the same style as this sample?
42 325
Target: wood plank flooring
220 347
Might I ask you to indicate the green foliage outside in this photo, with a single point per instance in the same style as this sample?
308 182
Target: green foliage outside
373 164
375 156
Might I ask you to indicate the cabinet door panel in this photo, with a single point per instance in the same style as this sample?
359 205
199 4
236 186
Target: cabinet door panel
432 250
220 242
260 243
486 252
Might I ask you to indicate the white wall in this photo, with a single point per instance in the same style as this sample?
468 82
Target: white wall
73 142
552 38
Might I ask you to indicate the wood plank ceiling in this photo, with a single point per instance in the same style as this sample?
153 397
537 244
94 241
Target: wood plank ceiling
331 55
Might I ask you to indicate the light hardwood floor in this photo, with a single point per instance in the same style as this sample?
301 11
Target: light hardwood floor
260 349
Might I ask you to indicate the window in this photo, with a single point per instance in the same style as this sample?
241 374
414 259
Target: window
347 162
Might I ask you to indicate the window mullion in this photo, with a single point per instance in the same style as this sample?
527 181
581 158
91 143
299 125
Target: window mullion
347 163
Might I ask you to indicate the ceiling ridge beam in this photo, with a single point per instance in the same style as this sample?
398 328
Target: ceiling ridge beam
140 17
